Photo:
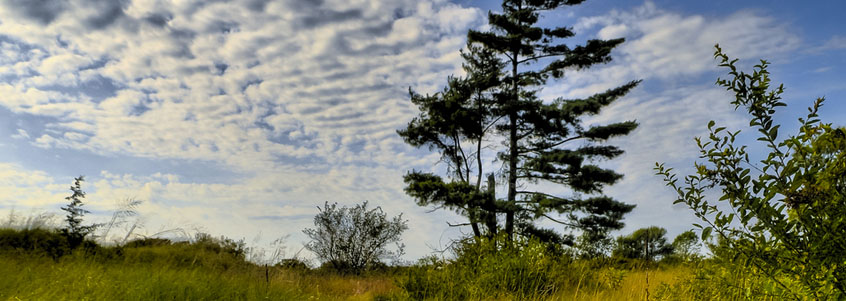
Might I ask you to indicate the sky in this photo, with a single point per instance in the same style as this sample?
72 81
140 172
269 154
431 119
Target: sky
241 117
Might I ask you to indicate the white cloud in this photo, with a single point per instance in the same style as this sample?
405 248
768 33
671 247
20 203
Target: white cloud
834 43
21 134
195 79
667 45
302 99
670 52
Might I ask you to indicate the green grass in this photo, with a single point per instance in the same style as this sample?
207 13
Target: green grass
215 269
35 265
79 278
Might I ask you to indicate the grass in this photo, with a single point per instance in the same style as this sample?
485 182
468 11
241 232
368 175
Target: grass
215 269
35 265
79 278
630 284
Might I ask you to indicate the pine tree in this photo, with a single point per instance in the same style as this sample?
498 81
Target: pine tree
75 232
455 122
537 131
498 98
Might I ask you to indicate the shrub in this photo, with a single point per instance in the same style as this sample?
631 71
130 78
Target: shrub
148 242
353 239
293 264
787 215
38 242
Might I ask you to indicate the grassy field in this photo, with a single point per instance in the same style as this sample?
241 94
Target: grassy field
78 278
36 265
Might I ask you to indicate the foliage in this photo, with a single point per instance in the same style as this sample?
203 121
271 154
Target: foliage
351 239
41 242
686 246
724 277
456 122
75 232
485 268
787 210
536 132
593 245
645 243
156 269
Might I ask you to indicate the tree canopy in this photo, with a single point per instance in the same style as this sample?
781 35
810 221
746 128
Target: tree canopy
543 140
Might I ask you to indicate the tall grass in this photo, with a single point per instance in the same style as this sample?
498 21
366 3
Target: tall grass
35 264
157 269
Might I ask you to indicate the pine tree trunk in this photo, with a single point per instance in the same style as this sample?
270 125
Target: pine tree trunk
512 151
490 208
473 224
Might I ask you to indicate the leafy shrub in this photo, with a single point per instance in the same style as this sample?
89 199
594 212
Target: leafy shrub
352 239
238 249
788 208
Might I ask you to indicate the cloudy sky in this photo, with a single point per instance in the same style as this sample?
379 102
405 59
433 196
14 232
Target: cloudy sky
239 117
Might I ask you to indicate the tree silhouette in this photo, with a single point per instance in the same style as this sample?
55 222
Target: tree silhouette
75 232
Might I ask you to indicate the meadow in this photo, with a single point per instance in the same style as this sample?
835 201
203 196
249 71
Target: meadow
38 265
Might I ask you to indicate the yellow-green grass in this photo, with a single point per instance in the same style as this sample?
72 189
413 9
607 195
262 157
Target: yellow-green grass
77 278
631 285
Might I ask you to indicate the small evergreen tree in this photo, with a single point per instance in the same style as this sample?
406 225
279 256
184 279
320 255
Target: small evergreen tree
75 232
537 132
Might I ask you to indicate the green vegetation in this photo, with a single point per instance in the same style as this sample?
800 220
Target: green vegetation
75 231
205 268
354 239
647 243
779 220
214 268
537 141
787 216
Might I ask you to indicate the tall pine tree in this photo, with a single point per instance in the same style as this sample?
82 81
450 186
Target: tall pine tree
536 133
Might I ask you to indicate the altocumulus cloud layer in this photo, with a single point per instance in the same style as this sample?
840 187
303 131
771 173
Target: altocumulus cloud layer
299 100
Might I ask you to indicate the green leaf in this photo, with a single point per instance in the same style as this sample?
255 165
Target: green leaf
706 233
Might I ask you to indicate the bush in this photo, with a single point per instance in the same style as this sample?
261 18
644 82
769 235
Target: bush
39 242
148 242
293 264
788 208
352 239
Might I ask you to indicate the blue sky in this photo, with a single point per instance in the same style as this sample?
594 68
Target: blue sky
239 117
